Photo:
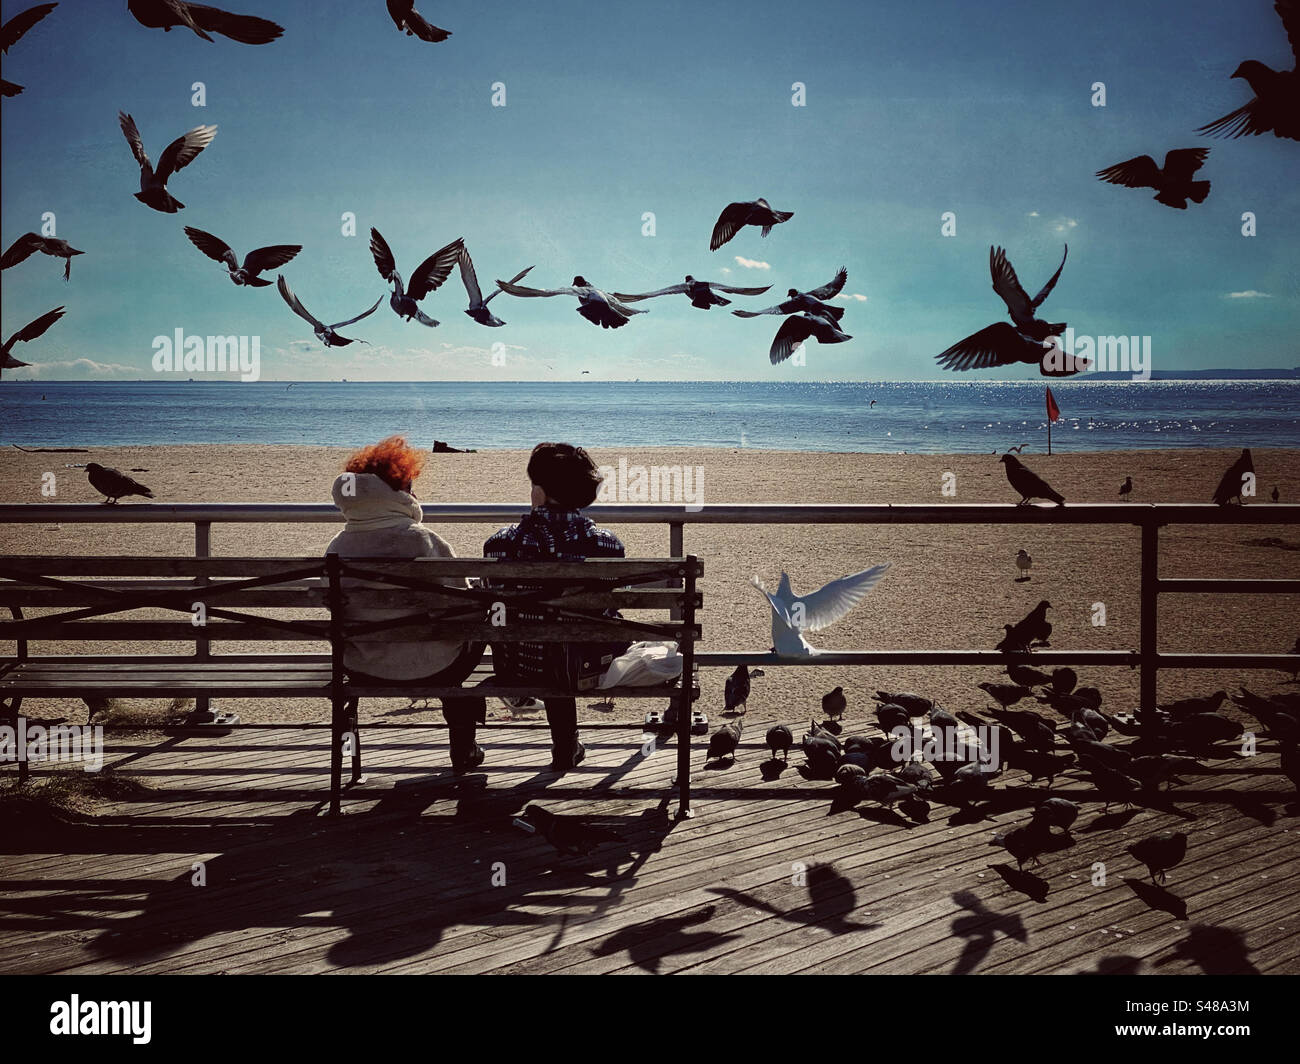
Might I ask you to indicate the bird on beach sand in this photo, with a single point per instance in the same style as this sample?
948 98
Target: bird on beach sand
176 156
405 17
723 742
702 294
202 19
113 484
793 614
428 276
1160 852
1028 483
796 330
1275 497
1275 107
12 31
834 703
1024 563
1174 185
1233 481
1126 489
598 307
734 216
568 834
737 689
30 243
255 261
780 737
324 333
478 305
30 331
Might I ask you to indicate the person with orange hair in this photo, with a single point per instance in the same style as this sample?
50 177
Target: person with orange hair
384 520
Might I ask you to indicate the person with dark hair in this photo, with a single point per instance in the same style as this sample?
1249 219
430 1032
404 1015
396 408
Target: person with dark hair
384 520
564 480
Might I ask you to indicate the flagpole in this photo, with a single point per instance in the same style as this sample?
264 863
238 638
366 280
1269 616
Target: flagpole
1049 436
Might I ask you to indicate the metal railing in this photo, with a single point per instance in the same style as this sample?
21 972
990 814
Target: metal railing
1148 517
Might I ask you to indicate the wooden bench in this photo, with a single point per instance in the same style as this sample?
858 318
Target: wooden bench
115 600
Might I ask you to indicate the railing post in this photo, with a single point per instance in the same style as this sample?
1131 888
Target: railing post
202 647
1149 606
334 575
686 706
676 538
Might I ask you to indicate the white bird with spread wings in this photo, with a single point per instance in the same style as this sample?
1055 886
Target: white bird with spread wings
793 614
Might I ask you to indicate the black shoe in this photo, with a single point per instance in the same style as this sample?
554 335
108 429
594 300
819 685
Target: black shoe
469 761
562 763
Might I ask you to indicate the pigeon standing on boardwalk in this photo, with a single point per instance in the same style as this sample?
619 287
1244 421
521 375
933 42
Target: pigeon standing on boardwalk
780 737
255 261
568 834
737 692
30 243
1160 852
30 331
1057 813
1174 185
1232 483
1025 842
176 156
723 742
1028 483
793 614
202 19
834 703
1275 107
1126 489
405 17
113 483
1024 563
734 216
13 30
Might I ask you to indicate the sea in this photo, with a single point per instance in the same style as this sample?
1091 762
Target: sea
936 417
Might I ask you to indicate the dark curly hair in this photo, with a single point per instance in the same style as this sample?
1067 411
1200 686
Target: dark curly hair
566 473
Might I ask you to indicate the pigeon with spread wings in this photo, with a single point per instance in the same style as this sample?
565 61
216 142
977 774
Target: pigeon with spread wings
405 17
1001 344
428 276
204 20
257 260
478 306
793 614
12 31
599 308
1174 185
176 156
810 302
1275 107
735 216
30 331
324 333
702 294
30 243
797 328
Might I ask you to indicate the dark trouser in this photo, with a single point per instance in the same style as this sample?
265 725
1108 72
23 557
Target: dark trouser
460 713
562 716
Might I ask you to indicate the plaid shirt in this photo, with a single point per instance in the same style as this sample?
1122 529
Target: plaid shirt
546 534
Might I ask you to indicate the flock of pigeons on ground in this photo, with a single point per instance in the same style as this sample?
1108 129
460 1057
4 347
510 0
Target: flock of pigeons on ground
1274 108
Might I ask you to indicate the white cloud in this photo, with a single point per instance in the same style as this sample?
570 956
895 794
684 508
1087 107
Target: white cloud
1064 225
851 295
752 264
1250 293
1033 214
80 369
726 269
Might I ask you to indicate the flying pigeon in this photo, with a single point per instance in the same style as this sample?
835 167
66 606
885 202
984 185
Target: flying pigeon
405 17
1275 107
702 294
811 302
30 331
324 333
780 737
797 328
255 261
736 215
737 689
428 276
723 742
1028 483
1174 185
478 306
30 243
1027 340
12 31
599 308
202 19
1233 482
113 484
1160 852
793 614
568 834
176 156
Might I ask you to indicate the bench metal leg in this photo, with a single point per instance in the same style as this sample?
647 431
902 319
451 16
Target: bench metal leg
354 729
339 720
9 715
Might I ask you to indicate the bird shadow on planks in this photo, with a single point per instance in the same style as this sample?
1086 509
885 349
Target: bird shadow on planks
981 928
830 899
647 944
1215 950
1158 898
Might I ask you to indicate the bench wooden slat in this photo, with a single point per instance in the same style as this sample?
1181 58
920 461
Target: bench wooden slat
231 631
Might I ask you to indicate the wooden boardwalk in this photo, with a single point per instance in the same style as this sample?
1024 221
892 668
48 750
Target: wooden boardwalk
773 875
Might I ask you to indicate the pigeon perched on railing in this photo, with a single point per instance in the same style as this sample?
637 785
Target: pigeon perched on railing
113 484
1028 483
1233 481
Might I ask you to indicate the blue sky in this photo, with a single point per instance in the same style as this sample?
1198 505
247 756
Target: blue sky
614 110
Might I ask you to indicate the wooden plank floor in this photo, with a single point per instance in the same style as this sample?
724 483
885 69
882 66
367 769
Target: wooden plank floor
776 873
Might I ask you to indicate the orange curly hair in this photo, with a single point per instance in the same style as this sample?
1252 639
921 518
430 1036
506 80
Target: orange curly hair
393 461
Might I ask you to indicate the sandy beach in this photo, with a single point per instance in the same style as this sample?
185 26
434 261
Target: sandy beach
949 587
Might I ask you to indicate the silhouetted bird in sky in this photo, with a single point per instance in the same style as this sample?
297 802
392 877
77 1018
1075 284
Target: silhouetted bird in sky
599 308
176 156
702 294
30 243
203 20
113 484
478 305
1126 489
735 215
834 703
1028 483
568 834
324 333
793 614
405 17
30 331
1173 184
1160 852
1001 344
1275 107
255 261
780 737
797 328
428 276
737 689
811 302
12 31
723 742
1233 481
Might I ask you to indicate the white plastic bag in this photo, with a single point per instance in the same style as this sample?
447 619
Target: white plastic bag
643 665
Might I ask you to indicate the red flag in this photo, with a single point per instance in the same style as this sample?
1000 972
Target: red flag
1053 411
